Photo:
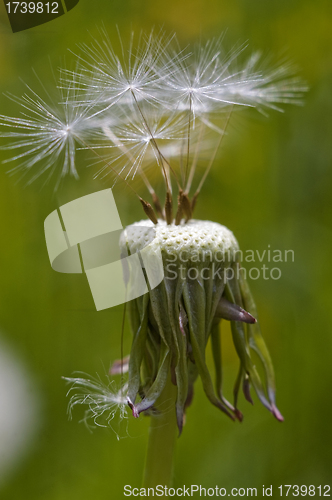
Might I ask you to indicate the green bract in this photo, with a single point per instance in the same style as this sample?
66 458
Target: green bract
172 324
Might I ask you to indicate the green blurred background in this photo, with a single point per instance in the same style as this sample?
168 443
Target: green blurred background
272 185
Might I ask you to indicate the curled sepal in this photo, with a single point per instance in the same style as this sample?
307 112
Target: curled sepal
216 352
196 317
256 342
246 388
177 320
160 315
242 349
136 358
233 312
158 385
244 378
151 359
183 319
238 384
192 376
181 372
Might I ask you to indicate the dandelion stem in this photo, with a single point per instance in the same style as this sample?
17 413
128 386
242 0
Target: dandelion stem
123 148
211 161
152 140
194 163
188 143
155 145
162 438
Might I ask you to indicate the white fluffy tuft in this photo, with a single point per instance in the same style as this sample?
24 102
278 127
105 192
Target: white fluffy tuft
102 400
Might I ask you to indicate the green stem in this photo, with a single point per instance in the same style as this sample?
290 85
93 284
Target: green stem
162 438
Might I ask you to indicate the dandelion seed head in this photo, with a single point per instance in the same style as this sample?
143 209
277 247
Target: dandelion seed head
150 105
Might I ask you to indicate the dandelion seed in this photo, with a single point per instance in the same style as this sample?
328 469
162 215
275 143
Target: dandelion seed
134 143
103 402
143 107
46 136
207 81
197 82
262 87
106 79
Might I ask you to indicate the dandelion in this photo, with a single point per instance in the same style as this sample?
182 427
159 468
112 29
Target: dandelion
158 108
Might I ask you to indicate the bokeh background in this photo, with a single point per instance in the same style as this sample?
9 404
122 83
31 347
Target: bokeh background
272 185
